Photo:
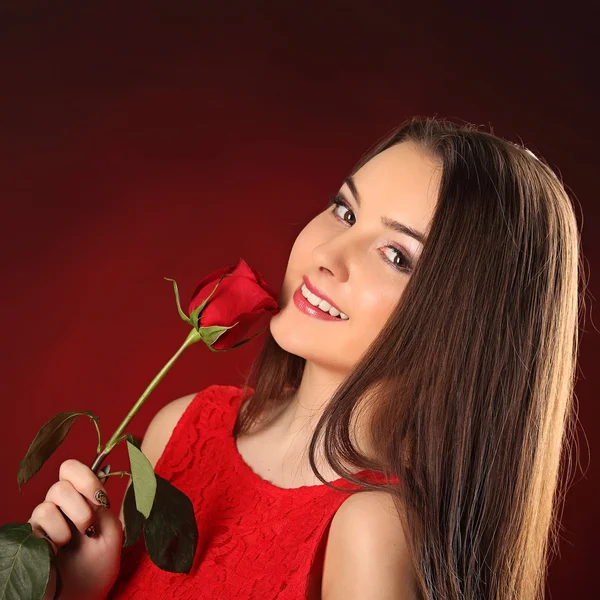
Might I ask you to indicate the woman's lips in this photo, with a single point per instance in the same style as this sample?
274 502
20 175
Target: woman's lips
307 308
320 293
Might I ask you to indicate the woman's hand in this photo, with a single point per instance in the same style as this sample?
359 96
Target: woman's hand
84 533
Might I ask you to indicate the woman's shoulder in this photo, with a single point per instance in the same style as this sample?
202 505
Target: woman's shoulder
160 429
163 423
368 551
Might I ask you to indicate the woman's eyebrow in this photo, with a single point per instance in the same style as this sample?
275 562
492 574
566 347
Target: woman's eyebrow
387 222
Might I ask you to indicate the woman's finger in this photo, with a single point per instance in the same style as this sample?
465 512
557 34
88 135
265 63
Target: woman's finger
72 504
47 520
84 480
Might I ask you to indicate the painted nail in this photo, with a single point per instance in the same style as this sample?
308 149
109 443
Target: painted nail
91 530
102 498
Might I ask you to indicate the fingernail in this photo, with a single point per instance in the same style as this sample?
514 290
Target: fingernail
45 534
91 530
102 498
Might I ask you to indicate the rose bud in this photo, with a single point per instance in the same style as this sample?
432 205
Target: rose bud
242 298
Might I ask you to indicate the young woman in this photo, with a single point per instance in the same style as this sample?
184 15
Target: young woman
400 433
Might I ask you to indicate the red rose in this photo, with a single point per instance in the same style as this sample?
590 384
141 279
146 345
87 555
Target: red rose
243 298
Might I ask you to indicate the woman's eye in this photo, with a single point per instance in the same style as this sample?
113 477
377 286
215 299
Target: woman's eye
404 265
337 201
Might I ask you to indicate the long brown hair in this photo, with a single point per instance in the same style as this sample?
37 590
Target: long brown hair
473 372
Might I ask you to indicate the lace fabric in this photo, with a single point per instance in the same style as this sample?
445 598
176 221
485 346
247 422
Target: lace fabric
256 540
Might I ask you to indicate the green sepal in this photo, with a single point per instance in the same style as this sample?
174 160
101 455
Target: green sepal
25 559
211 334
143 478
238 344
194 315
181 313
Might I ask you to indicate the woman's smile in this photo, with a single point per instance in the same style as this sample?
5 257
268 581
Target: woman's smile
305 306
357 265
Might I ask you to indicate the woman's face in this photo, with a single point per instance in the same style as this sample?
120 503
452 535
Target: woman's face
357 261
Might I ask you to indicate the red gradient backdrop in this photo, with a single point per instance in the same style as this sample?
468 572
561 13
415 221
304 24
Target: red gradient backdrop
138 144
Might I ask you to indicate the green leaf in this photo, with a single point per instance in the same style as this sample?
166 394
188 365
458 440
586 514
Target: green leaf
144 480
211 334
134 519
24 562
170 532
47 440
181 313
132 440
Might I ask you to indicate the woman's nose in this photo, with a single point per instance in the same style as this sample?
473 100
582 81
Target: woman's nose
334 256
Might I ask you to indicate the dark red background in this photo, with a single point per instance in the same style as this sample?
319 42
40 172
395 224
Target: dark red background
143 142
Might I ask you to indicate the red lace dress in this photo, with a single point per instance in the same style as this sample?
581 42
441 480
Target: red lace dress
255 540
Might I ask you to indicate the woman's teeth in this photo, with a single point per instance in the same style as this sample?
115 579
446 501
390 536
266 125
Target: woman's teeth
322 304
